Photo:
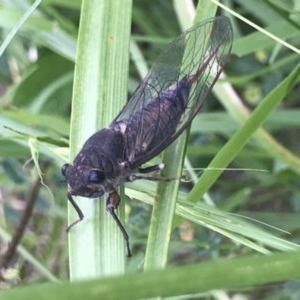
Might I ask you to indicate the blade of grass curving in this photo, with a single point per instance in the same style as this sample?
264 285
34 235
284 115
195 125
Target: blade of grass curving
235 227
236 273
267 33
164 206
239 139
245 231
17 27
240 113
100 90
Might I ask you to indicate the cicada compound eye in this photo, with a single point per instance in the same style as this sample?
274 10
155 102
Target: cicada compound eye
96 176
64 169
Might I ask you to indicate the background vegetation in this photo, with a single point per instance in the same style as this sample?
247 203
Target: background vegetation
226 229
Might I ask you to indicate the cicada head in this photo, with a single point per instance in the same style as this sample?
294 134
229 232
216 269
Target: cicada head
84 181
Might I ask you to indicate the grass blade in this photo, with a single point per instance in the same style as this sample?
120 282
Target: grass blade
96 245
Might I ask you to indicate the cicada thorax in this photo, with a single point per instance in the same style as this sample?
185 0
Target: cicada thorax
99 165
106 142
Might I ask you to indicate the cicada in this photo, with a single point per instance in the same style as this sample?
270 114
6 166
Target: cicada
160 109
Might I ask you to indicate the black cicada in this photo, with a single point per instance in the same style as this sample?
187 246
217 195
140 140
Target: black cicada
162 106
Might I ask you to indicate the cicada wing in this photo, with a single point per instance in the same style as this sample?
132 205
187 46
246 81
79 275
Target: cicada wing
172 93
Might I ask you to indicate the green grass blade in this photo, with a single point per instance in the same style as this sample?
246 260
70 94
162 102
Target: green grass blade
164 206
17 27
100 90
240 138
196 278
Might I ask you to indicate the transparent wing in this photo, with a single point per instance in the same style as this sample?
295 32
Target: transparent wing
172 93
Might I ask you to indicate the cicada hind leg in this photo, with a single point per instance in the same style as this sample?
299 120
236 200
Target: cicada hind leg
112 203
